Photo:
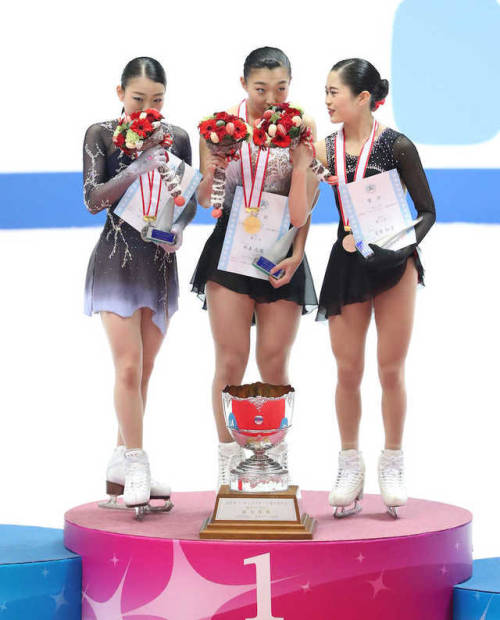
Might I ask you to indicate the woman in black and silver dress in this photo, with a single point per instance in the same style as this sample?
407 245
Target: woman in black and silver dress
234 301
353 286
130 282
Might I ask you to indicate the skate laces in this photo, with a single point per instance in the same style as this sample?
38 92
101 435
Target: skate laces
391 469
136 469
350 471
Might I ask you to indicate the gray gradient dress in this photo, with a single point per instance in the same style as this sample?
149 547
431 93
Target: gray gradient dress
124 272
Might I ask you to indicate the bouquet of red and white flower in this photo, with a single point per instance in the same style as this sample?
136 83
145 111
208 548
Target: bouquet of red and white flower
131 133
224 134
279 126
283 126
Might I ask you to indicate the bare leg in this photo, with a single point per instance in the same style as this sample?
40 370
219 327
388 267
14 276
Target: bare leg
277 325
152 339
394 312
230 316
125 339
348 337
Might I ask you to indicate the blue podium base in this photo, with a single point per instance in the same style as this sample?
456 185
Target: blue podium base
39 577
479 597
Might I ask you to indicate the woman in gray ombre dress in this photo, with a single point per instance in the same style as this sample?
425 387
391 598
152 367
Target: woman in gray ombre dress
131 283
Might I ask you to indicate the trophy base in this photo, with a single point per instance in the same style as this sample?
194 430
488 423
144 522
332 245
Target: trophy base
255 516
259 474
265 265
157 235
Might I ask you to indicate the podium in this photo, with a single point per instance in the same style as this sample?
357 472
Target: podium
39 577
366 566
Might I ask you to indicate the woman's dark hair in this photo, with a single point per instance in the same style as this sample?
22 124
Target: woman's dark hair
266 58
360 75
144 66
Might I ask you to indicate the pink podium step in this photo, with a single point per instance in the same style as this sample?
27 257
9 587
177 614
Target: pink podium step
364 567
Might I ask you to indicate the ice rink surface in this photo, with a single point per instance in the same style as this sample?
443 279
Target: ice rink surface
58 424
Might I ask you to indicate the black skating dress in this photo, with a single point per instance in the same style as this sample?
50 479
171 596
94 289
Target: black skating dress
350 278
300 289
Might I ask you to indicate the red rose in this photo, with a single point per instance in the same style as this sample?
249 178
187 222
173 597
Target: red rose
282 141
259 137
223 116
287 122
221 131
153 115
142 127
119 140
206 127
135 115
240 130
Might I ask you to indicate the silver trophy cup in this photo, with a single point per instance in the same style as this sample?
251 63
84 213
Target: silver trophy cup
258 417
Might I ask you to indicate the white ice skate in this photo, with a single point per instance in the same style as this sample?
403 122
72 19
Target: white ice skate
230 455
137 490
391 480
115 484
349 484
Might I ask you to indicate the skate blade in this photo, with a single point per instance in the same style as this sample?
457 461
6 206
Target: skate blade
165 507
341 511
114 504
393 511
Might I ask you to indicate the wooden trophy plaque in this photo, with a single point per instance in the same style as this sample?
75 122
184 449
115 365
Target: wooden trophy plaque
258 516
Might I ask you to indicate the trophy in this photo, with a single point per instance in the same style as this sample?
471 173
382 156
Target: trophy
258 503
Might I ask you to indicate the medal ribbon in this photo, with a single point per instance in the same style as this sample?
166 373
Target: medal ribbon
253 180
340 165
151 178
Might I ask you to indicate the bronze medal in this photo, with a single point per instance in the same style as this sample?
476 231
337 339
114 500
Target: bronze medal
348 243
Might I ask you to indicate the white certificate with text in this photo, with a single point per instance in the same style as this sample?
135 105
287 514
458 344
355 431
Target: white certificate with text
240 247
377 208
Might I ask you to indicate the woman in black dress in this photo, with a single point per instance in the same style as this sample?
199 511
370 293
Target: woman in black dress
131 283
235 300
353 286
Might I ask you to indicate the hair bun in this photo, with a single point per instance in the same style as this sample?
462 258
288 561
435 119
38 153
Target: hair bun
380 91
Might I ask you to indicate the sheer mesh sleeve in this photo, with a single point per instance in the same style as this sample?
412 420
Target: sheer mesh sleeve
413 176
100 191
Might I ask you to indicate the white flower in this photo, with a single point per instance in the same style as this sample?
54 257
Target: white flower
143 115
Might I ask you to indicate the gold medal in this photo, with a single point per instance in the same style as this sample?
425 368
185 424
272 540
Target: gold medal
252 224
348 243
149 218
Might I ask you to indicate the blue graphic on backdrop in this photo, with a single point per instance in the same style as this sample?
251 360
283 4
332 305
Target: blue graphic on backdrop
54 199
445 67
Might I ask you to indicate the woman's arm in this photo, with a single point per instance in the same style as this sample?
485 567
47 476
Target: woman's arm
304 182
413 176
99 191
